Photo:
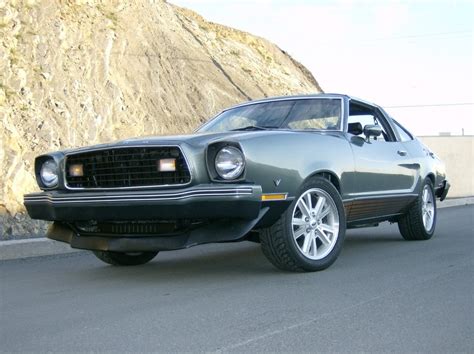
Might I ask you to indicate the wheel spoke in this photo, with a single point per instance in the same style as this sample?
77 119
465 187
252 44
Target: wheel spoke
306 243
425 195
328 228
323 237
298 222
319 206
304 209
314 247
308 201
325 212
298 233
429 218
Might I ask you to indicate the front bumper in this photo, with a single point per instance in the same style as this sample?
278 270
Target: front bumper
216 231
203 201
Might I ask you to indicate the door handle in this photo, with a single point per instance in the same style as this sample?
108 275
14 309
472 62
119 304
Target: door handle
402 152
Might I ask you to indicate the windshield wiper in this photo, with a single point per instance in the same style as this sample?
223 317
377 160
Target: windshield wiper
253 127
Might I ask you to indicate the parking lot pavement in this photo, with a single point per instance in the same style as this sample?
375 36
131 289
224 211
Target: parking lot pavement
383 293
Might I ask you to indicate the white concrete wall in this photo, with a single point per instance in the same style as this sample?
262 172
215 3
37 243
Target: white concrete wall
457 152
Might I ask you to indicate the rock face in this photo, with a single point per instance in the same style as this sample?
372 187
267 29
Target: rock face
84 72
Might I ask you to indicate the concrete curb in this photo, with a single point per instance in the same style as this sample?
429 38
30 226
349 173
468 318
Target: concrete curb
36 247
447 203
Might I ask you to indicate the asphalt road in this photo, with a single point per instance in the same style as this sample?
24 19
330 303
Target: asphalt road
383 294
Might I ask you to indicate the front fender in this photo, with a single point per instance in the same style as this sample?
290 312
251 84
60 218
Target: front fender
280 163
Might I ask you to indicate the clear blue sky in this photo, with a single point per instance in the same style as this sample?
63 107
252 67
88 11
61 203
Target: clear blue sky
391 53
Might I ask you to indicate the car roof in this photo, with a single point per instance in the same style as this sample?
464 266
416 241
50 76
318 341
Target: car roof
306 96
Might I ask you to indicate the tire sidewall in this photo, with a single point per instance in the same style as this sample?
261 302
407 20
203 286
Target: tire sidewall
125 259
304 262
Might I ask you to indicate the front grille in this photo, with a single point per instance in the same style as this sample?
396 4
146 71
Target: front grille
127 167
128 227
140 228
137 227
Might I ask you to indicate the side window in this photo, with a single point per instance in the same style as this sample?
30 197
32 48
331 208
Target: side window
322 114
402 132
363 115
358 122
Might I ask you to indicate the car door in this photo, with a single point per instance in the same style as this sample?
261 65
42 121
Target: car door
383 168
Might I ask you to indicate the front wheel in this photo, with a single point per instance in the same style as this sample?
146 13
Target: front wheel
419 221
125 258
310 233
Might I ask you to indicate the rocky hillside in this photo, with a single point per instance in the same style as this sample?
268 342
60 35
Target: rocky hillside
82 72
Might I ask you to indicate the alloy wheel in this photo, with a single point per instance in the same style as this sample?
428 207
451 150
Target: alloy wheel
427 208
315 224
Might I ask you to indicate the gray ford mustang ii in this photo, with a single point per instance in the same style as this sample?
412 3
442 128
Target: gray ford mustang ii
289 172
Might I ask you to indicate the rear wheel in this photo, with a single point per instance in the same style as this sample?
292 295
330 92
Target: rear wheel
125 258
419 222
310 233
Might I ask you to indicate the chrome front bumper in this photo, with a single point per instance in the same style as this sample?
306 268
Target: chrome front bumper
202 201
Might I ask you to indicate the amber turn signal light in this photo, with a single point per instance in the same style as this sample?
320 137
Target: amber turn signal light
273 196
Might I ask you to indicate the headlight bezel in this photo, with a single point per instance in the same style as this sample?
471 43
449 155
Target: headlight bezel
232 156
211 154
49 173
54 166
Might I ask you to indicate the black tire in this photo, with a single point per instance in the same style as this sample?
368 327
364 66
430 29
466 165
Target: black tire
125 259
411 224
280 246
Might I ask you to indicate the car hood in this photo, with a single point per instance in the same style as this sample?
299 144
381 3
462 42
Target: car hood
195 139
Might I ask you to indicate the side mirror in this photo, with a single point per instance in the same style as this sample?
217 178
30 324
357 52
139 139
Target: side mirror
372 130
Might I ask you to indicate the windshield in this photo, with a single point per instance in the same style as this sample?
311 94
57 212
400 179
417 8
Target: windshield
298 114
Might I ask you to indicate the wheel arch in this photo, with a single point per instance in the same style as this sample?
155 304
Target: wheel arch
431 176
328 175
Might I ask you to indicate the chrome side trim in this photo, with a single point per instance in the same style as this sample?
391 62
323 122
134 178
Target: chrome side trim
125 188
377 195
135 197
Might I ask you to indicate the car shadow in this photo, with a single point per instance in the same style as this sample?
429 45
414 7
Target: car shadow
360 241
206 263
215 262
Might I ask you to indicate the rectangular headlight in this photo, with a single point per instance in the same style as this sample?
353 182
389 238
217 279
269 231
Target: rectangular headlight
76 170
167 165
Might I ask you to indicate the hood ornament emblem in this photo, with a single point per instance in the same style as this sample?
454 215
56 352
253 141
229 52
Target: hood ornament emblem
277 182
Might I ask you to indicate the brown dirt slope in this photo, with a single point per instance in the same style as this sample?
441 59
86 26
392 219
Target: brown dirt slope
82 72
